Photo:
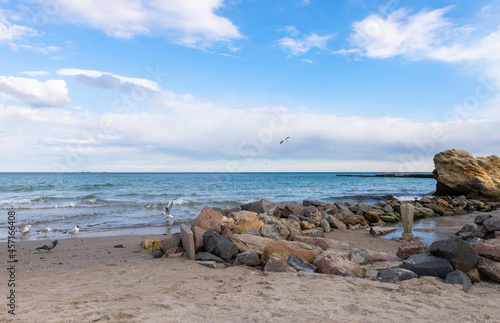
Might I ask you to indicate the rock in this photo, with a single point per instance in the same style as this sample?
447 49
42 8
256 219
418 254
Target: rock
481 232
295 209
247 258
460 278
439 209
489 249
207 256
157 253
315 218
493 223
198 238
354 219
425 264
269 207
313 233
306 225
343 209
474 275
387 208
382 257
394 275
254 232
246 220
373 217
174 251
489 268
275 264
339 266
313 203
151 244
228 231
282 249
188 241
408 249
227 221
246 242
292 226
214 243
209 264
388 218
253 207
457 172
275 230
208 219
442 202
425 199
359 257
422 212
481 218
380 231
322 243
336 223
325 225
458 252
300 264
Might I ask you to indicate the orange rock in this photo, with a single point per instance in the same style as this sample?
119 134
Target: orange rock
246 220
282 249
442 202
208 219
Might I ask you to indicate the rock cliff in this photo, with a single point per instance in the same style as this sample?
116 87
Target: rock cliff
458 173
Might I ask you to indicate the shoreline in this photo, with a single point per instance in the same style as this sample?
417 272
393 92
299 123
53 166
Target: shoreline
88 279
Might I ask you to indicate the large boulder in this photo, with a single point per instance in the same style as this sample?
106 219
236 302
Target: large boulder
394 275
174 241
458 173
408 249
278 265
246 220
460 278
300 264
489 249
282 249
247 258
322 243
274 229
333 265
246 242
295 209
216 244
489 268
492 223
458 252
425 264
208 219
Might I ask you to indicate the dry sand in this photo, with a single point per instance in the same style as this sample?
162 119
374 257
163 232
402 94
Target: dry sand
88 280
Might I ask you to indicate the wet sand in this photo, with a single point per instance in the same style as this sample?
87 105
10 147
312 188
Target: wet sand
89 280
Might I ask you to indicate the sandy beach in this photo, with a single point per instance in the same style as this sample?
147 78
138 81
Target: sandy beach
91 280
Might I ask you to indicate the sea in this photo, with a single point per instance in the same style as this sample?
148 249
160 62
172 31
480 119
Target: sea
107 204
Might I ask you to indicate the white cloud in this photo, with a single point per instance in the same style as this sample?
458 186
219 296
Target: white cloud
107 80
51 93
35 73
300 46
10 32
188 22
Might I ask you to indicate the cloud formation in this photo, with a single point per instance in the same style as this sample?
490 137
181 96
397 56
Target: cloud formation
301 45
11 32
190 23
51 93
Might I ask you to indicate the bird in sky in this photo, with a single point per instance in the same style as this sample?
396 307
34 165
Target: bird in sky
25 229
284 140
45 230
73 231
168 209
49 246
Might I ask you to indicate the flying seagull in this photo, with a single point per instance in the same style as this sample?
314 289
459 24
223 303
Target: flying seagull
73 231
168 209
25 229
372 232
49 246
284 140
45 230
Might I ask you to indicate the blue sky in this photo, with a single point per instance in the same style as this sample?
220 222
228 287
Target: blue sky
213 85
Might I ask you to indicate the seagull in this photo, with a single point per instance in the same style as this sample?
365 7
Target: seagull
46 230
73 231
372 232
168 209
49 246
284 140
25 229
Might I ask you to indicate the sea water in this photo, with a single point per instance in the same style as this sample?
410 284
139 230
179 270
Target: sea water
133 203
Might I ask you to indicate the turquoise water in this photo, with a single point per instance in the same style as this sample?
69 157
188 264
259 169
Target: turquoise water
133 202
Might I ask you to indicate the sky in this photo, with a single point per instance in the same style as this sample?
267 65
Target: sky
216 85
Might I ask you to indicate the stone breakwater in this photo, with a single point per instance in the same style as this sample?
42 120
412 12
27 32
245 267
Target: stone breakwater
291 238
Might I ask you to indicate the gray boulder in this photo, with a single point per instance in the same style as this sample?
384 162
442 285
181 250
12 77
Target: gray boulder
247 258
254 232
269 206
274 230
460 278
157 253
300 264
489 268
493 223
425 264
216 244
394 275
253 207
481 218
311 202
458 252
207 256
275 264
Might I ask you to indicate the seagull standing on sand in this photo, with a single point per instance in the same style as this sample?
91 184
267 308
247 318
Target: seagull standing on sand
46 230
73 231
284 140
48 246
168 209
25 229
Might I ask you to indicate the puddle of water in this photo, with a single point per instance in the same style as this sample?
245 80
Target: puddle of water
445 226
